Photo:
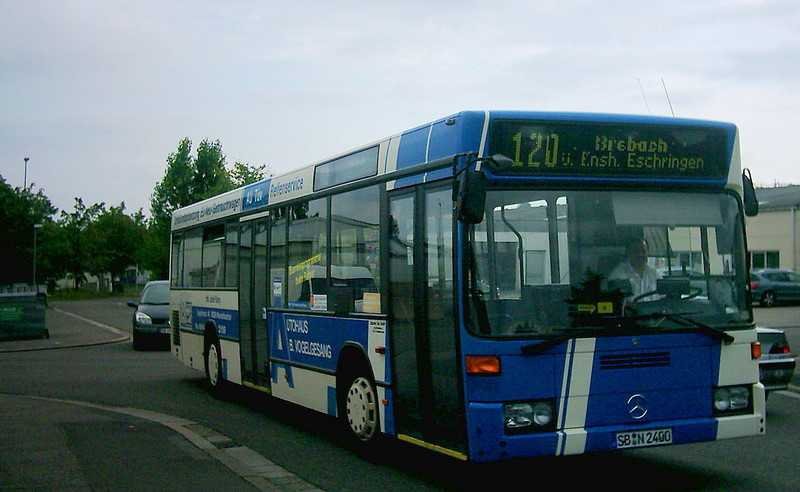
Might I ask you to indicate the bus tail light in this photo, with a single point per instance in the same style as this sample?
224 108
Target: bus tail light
755 350
483 364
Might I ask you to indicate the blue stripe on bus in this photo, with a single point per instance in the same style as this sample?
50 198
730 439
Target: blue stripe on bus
463 134
332 403
388 418
412 148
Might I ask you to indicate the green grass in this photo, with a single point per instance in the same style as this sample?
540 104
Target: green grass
87 294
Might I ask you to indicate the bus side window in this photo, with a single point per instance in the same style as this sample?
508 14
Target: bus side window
308 240
355 250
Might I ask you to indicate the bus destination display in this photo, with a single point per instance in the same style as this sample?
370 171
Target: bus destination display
611 150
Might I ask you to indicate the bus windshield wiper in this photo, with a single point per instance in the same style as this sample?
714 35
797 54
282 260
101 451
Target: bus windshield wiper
685 320
701 327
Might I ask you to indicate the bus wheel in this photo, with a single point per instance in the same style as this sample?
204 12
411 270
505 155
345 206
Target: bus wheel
214 366
360 409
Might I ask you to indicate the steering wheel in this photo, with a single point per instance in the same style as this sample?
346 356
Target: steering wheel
642 296
691 295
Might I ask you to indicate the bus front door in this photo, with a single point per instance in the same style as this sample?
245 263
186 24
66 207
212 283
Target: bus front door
428 397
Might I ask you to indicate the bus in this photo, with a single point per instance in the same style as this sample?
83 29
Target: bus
457 286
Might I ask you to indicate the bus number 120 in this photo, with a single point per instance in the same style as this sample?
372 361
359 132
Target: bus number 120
539 144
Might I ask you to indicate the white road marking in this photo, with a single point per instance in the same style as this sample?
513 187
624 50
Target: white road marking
790 394
91 322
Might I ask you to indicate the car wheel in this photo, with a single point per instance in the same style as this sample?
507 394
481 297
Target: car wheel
213 361
768 299
358 412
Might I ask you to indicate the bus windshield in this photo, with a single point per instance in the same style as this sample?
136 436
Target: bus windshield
550 262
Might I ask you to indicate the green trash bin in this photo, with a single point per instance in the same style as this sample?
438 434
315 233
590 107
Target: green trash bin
23 316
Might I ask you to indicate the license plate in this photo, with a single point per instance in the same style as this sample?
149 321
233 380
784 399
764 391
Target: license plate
640 439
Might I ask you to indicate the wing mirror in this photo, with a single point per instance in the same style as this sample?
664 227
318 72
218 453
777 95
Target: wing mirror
749 194
470 192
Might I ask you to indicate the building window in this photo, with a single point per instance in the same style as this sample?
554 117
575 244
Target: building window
765 259
308 245
355 249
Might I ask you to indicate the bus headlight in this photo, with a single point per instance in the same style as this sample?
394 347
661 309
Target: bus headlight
143 319
528 416
731 399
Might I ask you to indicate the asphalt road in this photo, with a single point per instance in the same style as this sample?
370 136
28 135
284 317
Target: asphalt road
306 444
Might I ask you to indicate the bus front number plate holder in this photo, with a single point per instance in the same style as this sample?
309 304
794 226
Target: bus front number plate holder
640 439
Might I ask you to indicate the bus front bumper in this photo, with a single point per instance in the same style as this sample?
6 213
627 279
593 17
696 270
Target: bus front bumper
489 442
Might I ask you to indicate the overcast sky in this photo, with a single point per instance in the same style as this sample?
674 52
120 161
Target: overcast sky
98 93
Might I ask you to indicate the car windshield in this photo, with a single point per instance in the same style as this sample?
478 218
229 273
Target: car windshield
549 262
156 294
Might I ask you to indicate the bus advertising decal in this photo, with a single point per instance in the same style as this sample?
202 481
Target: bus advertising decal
226 321
256 195
312 340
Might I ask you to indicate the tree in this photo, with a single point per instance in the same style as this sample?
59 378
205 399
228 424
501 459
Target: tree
186 180
20 209
210 176
113 239
75 225
244 174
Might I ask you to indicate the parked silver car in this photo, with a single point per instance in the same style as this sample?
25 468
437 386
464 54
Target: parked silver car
770 286
777 362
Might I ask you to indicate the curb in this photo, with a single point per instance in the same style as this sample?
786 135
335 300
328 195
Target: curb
260 472
123 337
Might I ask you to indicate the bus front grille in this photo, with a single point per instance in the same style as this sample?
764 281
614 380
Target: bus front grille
635 361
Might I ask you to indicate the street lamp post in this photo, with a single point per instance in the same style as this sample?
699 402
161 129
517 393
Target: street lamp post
25 185
36 228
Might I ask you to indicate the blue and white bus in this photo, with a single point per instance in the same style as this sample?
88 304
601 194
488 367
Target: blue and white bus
490 285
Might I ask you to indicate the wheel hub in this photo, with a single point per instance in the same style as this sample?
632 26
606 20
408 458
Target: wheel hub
362 408
213 365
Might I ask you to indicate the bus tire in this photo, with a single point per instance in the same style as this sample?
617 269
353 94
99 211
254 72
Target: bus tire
358 410
213 363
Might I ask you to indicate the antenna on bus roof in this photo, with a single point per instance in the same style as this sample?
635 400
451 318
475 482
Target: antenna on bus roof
668 100
643 95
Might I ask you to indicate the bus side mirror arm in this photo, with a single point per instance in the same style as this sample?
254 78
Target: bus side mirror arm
749 194
470 190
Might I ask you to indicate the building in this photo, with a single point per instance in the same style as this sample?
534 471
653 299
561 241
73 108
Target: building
772 234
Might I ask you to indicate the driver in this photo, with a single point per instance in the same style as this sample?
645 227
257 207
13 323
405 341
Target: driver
642 277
